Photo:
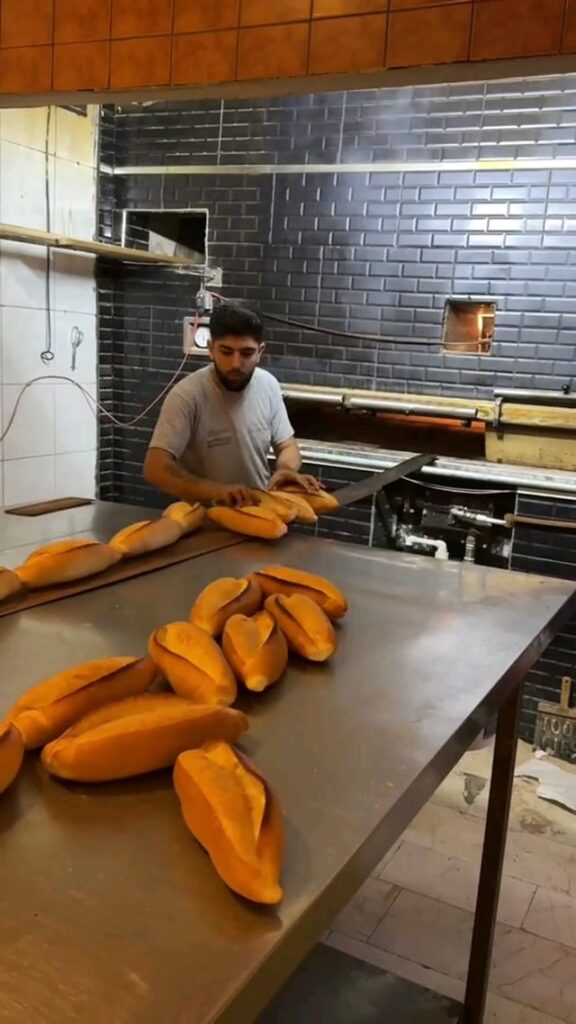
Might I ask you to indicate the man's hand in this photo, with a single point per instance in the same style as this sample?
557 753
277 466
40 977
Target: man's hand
288 478
233 495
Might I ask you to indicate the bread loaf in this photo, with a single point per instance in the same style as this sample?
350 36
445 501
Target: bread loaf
65 561
232 812
10 584
304 512
256 649
188 517
46 710
150 535
307 629
193 664
222 599
251 521
270 500
281 579
138 735
321 502
11 754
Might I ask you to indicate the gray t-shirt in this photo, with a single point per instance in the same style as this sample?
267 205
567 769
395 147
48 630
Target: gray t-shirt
223 435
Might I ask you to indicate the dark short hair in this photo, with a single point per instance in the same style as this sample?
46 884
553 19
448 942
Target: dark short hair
228 320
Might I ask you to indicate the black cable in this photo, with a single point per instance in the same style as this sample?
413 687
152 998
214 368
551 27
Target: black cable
460 491
345 334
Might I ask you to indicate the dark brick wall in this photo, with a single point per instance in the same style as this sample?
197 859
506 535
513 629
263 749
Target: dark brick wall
376 252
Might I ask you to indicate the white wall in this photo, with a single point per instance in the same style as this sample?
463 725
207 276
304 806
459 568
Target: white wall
50 452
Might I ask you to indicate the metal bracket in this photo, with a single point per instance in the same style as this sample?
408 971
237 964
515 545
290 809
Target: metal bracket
386 517
498 417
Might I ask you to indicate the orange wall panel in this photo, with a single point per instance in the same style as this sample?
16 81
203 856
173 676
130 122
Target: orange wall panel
138 62
204 57
81 66
275 51
126 45
516 28
569 38
434 35
26 69
27 22
347 44
132 18
205 15
403 5
336 8
262 12
76 22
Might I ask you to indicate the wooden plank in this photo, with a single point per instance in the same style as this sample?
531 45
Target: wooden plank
546 449
115 252
191 546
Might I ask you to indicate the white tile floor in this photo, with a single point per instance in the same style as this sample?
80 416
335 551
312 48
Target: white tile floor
414 916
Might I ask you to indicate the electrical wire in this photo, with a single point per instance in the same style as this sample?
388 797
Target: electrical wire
460 490
346 334
93 402
48 354
330 331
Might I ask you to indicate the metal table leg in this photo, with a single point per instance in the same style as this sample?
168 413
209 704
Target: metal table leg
492 860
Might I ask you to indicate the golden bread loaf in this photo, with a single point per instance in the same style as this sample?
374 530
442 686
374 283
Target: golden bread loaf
256 649
282 579
250 521
188 517
193 664
304 511
65 561
46 710
232 812
150 535
222 599
307 629
322 502
285 510
11 754
10 584
138 735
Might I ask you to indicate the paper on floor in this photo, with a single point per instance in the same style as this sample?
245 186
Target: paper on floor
555 784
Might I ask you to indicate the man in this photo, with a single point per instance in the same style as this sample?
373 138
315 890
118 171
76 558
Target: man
216 427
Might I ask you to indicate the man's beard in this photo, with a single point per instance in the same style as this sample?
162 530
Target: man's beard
237 383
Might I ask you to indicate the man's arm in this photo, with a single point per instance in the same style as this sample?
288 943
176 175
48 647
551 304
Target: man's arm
164 471
288 463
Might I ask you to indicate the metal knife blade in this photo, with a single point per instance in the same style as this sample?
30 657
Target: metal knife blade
372 484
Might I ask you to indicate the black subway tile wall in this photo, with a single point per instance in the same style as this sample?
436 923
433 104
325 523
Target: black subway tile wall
373 252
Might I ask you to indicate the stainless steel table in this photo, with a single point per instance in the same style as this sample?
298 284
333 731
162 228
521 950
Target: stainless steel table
109 910
19 535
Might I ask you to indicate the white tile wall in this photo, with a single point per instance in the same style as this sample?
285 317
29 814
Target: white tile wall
32 432
50 451
22 274
75 419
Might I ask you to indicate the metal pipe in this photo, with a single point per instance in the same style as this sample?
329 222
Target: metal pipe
533 396
322 397
409 409
478 518
526 478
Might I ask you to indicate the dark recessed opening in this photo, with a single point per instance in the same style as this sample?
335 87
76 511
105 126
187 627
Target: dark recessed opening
177 233
468 326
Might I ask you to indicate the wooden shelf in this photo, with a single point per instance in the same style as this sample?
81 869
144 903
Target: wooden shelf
51 240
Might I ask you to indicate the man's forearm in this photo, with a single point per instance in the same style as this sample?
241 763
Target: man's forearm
289 458
174 480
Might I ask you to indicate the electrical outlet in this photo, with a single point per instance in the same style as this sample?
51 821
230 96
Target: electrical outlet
196 336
